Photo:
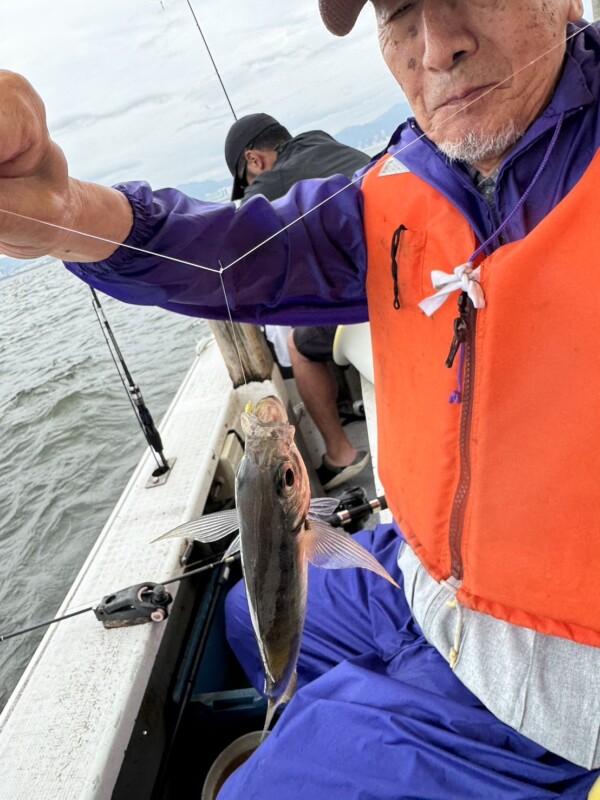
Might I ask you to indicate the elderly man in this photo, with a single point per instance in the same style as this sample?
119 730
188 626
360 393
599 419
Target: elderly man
481 679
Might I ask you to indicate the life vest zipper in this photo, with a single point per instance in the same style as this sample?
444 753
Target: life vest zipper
460 328
464 333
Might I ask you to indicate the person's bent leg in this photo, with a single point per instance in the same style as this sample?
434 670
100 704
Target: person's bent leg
318 390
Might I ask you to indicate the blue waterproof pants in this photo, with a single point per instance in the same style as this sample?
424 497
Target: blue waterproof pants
379 714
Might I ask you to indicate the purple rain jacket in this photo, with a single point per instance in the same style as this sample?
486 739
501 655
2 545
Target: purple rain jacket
313 272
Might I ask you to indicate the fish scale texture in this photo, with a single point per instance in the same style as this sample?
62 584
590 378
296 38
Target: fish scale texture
379 715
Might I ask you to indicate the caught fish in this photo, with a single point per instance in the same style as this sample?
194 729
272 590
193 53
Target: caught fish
280 531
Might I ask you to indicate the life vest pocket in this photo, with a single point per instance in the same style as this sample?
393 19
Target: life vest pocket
407 257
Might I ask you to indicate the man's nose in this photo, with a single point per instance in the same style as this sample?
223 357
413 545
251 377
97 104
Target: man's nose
447 38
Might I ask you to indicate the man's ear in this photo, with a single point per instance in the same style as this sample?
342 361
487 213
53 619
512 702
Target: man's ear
259 161
575 10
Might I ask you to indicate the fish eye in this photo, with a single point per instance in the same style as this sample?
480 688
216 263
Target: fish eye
286 478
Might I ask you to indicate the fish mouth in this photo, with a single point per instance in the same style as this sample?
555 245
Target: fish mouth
271 409
269 420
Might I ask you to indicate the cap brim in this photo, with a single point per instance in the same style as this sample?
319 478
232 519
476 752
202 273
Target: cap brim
238 190
339 16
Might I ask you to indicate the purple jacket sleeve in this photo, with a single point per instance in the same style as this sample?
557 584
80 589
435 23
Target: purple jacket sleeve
310 273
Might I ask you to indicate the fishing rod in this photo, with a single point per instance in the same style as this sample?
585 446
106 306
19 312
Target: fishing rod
213 62
143 415
142 602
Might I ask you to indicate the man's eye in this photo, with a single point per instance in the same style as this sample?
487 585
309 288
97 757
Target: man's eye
402 9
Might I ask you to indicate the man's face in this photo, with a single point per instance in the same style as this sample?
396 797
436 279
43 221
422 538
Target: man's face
446 54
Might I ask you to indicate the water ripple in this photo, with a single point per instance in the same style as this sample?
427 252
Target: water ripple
69 436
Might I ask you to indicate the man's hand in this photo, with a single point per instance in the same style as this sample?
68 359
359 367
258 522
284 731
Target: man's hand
34 183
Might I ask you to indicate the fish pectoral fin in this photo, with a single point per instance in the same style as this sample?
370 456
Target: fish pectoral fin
330 548
208 528
322 506
234 547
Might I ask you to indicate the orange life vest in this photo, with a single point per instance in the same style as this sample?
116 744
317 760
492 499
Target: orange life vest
502 489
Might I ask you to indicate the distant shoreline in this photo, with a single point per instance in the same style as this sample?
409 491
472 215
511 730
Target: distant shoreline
11 267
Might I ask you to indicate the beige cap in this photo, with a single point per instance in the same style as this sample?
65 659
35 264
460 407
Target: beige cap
339 16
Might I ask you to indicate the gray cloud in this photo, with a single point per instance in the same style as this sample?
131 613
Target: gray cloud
75 122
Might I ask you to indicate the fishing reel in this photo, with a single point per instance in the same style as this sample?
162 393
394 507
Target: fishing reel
145 602
354 509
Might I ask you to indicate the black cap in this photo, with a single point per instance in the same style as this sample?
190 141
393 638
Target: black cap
241 135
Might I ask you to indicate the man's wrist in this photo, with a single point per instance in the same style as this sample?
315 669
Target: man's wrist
100 219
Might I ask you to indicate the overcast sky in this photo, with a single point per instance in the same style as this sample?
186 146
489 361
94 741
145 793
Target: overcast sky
131 93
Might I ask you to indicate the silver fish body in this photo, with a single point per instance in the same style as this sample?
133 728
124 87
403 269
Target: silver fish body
273 498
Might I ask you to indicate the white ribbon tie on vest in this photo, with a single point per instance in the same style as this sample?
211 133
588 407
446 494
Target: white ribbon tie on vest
462 279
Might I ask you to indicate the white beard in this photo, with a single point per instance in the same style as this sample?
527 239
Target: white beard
475 148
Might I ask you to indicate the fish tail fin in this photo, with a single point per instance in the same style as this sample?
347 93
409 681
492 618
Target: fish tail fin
271 709
273 705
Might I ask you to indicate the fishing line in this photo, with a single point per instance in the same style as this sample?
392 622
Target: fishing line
235 340
212 59
107 241
402 148
394 152
235 116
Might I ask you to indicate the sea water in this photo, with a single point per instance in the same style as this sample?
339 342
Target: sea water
68 435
